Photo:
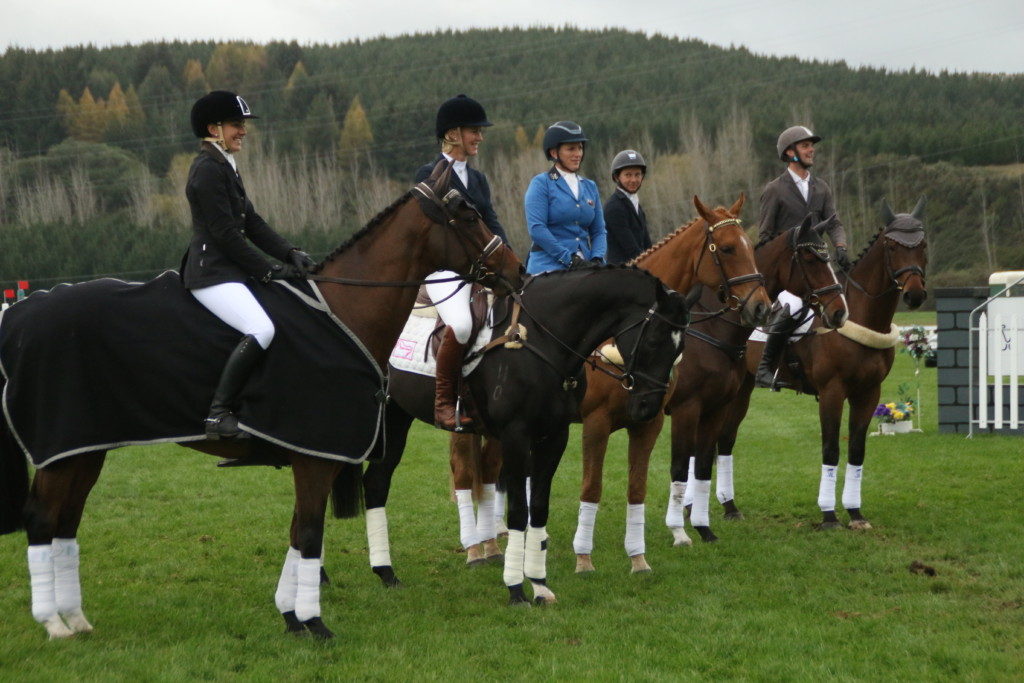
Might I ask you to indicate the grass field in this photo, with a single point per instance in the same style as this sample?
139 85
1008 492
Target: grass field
180 563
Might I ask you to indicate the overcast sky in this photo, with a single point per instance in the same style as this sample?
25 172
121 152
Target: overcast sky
960 35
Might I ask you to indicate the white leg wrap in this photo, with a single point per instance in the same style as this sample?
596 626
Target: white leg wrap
851 487
307 597
40 569
66 586
515 553
535 564
674 518
635 530
827 488
723 477
701 498
499 513
690 476
583 541
377 537
288 584
485 513
467 518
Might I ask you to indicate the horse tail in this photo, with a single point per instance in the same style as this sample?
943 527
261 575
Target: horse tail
13 480
347 492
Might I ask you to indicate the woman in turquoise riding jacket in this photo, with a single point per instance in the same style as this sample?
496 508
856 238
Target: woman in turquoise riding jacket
564 215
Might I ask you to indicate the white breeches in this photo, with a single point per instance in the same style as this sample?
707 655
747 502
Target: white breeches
233 303
787 297
453 306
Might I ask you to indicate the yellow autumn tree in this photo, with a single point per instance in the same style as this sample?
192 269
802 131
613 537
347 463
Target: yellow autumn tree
355 131
89 118
194 78
66 110
522 139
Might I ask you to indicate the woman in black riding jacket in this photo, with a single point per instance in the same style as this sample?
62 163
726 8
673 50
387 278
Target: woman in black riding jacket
224 254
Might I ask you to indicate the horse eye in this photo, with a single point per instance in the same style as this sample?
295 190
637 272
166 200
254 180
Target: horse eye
729 250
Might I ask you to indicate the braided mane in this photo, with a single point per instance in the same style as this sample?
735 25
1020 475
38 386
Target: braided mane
665 239
373 223
870 244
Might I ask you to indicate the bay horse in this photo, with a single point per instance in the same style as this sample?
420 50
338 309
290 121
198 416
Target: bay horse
715 368
850 363
714 240
527 397
430 227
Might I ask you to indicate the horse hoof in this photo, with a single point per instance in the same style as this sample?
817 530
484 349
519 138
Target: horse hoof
316 627
706 534
387 577
731 511
826 526
56 628
584 565
495 559
478 562
292 624
679 537
639 565
77 622
860 524
516 596
733 516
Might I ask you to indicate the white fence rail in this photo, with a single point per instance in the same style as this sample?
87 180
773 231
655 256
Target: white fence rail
997 341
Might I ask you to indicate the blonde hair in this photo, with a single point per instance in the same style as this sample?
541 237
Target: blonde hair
448 144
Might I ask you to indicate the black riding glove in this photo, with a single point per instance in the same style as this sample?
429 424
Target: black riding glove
842 258
284 272
300 259
577 261
597 261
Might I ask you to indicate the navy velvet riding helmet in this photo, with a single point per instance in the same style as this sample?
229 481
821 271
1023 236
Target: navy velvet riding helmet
457 112
215 107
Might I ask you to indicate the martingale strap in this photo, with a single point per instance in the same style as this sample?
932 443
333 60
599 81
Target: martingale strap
734 352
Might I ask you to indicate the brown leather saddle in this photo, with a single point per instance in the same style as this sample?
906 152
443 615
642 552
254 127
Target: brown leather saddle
478 306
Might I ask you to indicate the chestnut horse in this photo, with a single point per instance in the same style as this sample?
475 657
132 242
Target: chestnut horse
715 368
431 227
849 364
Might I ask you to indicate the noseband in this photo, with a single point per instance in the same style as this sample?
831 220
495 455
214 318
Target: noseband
730 301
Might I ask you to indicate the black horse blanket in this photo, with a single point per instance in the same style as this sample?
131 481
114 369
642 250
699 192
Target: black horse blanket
107 363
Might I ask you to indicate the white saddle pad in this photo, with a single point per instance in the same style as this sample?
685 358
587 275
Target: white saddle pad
410 349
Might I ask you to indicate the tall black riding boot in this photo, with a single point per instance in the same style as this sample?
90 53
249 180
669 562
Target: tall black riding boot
779 327
222 423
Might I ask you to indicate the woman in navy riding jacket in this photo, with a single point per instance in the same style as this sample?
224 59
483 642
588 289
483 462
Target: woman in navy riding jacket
563 209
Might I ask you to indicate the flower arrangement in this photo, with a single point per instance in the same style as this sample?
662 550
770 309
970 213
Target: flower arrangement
899 410
917 346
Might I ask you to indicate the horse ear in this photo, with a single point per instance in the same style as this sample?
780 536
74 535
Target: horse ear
440 169
918 211
738 205
887 215
822 226
704 211
805 225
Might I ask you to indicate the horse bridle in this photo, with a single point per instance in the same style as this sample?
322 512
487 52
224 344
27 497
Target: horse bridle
814 298
895 284
478 270
730 301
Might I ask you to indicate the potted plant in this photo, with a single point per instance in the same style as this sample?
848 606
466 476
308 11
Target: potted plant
896 417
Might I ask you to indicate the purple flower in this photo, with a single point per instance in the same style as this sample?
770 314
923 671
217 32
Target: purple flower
882 411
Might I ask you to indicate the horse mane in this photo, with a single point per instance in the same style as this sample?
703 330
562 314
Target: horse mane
870 244
373 223
665 239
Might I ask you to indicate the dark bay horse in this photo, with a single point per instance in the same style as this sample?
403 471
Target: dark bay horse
527 397
715 367
431 227
849 365
712 252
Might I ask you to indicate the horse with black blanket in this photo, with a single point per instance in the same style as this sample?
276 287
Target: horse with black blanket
527 390
116 364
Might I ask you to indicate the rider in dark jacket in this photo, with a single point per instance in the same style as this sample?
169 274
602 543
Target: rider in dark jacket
220 259
624 218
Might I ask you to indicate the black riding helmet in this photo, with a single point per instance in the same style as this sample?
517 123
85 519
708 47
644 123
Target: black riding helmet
560 133
460 111
215 107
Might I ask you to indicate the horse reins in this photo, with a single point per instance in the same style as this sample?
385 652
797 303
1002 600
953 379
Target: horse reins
895 285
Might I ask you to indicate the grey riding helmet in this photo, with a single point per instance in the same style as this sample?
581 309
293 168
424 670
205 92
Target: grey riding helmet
793 135
562 132
625 159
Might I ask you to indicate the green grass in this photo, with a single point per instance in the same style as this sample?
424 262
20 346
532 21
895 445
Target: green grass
180 563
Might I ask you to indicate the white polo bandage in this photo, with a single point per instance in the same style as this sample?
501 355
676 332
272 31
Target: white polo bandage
307 597
66 587
583 541
674 517
288 584
535 565
827 488
635 530
690 476
699 515
377 537
851 486
499 512
40 569
467 519
515 554
723 478
485 513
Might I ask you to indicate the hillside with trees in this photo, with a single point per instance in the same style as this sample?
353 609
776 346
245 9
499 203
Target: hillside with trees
95 143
